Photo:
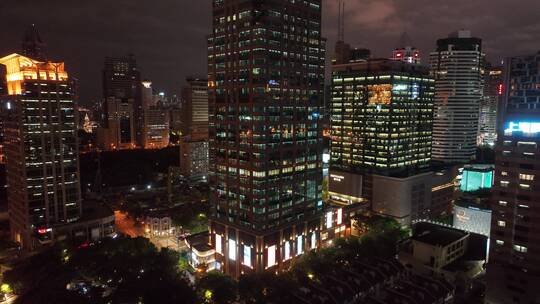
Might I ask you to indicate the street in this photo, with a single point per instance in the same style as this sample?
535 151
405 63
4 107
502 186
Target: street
127 225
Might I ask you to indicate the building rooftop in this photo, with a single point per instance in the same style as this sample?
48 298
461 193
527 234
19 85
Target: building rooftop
199 241
437 235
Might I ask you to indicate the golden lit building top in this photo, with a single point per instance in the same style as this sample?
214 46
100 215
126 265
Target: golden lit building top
20 68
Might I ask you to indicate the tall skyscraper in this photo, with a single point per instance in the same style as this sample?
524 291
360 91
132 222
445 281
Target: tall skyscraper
41 149
122 85
266 78
457 68
33 46
493 89
195 109
513 272
381 120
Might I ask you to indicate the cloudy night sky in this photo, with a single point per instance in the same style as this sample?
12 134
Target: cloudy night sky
168 36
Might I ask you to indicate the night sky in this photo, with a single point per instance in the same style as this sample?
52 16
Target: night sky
168 36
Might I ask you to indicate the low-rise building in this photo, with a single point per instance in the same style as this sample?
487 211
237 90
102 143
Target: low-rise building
159 224
201 254
443 251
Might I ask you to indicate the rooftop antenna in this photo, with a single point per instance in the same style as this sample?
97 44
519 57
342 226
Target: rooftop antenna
341 20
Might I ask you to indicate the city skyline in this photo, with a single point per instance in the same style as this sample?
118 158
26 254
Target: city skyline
163 35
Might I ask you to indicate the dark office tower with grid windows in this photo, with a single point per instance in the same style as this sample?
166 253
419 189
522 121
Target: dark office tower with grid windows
122 90
266 81
513 272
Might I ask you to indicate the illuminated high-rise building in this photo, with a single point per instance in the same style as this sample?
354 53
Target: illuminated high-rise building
493 89
156 128
381 120
513 272
41 149
194 106
122 86
457 67
266 78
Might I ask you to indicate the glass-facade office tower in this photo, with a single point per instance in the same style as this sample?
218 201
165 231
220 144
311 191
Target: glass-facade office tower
493 89
381 120
41 149
457 68
513 272
266 78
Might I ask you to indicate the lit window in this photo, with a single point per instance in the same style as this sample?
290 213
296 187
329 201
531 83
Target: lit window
503 203
247 255
525 186
232 249
504 173
271 256
499 242
504 183
287 254
521 249
523 206
218 244
299 245
339 216
506 153
501 223
329 219
313 240
528 177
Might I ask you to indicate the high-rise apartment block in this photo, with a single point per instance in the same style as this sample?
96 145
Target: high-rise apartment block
41 148
456 66
513 272
266 78
493 90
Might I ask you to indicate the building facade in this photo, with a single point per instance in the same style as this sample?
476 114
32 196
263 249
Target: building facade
513 273
456 66
120 131
122 83
381 120
266 78
194 109
41 149
156 128
194 159
493 90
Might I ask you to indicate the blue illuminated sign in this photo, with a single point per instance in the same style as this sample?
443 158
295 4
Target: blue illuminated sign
523 126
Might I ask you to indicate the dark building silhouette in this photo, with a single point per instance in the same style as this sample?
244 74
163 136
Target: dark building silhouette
122 90
32 44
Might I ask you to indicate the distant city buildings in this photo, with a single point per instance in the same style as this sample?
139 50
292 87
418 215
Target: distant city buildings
156 128
456 66
123 116
406 52
513 273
